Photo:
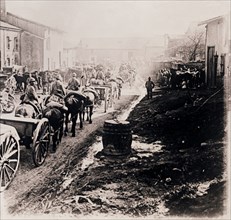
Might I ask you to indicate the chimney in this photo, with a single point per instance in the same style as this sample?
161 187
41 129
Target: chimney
2 9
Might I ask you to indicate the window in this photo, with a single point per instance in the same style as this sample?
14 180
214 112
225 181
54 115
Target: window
8 61
16 44
8 42
222 65
16 60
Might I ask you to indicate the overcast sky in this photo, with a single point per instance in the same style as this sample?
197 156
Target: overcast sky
117 18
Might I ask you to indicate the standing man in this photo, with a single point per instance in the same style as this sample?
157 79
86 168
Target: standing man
149 86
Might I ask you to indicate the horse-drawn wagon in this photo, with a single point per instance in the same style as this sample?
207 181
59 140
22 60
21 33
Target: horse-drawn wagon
103 91
26 131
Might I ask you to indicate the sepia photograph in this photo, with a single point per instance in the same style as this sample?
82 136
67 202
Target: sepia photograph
115 109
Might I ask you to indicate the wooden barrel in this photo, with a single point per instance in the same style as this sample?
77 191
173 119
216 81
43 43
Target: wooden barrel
117 138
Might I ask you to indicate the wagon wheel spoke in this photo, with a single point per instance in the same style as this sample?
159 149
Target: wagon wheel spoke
10 148
9 167
13 160
1 180
7 173
5 146
9 161
38 154
11 154
41 142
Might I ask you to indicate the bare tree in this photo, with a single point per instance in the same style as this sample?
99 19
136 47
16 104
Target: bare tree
191 46
195 45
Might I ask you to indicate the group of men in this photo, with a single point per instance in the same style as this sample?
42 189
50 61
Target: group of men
57 88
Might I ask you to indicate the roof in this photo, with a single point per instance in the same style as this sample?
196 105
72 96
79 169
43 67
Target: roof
211 20
122 43
6 26
33 22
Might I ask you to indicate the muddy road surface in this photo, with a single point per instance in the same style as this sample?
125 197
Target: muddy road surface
177 167
32 183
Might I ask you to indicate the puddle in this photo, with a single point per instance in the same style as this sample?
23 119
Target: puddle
142 149
145 150
93 150
162 210
67 182
201 189
125 114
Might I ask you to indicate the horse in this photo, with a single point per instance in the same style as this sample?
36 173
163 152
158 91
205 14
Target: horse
21 81
54 110
55 117
75 104
91 97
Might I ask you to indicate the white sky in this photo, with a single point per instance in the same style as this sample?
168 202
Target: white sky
117 18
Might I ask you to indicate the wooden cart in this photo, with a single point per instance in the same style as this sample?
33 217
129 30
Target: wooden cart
103 92
34 132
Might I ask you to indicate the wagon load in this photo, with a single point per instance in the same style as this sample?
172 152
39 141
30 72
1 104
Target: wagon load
76 94
92 90
98 82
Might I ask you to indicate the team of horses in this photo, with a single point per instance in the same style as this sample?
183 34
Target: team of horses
61 111
76 105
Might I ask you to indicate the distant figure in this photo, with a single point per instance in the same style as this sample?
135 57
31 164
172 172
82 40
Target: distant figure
57 85
73 83
149 86
100 75
31 96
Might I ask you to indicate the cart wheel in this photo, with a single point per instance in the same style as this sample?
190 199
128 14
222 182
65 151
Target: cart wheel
9 107
9 161
41 142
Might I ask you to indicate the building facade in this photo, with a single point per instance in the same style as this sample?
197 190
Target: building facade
9 45
218 49
102 50
41 46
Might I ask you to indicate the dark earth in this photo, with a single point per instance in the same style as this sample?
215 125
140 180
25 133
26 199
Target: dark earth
187 177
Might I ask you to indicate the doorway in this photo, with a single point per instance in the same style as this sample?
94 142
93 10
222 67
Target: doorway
211 70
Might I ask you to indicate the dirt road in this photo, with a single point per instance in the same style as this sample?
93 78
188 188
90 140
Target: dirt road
31 183
177 166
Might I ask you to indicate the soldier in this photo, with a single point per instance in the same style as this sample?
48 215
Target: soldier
73 83
57 85
31 96
149 86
